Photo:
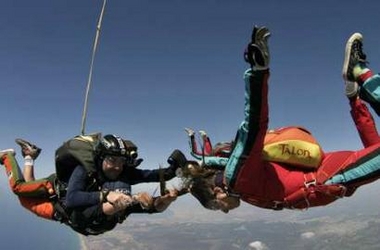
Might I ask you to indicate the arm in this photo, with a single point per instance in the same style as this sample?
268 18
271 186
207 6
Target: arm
135 176
206 147
76 190
249 140
176 160
139 203
78 196
192 143
215 162
158 204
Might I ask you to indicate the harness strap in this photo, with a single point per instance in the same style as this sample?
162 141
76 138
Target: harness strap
60 213
313 193
275 205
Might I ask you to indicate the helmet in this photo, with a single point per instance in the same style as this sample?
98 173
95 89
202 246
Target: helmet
115 145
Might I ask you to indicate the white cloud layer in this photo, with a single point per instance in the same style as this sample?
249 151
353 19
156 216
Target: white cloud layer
258 245
307 235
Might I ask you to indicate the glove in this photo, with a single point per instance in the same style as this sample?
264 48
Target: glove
248 52
134 163
137 162
177 159
257 51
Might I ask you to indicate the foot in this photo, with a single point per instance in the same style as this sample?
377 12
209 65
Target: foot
189 132
6 151
28 149
353 55
257 52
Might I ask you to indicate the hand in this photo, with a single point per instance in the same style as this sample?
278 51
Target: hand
257 51
145 200
225 202
203 134
219 193
162 203
134 163
190 132
177 159
119 200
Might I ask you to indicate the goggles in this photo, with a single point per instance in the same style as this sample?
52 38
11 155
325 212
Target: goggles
115 159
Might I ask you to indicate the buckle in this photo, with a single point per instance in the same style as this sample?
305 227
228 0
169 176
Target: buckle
310 183
310 180
277 205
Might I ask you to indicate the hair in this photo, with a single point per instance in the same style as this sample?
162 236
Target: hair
200 182
194 170
201 189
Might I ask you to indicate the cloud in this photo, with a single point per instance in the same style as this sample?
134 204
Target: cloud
258 245
307 235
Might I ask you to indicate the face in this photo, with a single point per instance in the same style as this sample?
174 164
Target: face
112 166
212 197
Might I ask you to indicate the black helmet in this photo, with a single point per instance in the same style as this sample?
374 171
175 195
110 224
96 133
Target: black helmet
115 145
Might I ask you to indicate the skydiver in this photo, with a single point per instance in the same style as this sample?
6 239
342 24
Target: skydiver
245 175
90 204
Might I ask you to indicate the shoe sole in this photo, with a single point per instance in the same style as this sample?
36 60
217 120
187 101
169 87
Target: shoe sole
28 148
7 151
23 144
355 36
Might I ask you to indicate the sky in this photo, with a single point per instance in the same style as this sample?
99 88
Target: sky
162 66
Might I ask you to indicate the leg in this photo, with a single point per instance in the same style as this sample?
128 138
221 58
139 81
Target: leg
359 168
33 195
28 173
39 188
370 92
364 122
40 207
355 69
30 152
363 166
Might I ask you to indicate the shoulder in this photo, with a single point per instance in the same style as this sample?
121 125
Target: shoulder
79 172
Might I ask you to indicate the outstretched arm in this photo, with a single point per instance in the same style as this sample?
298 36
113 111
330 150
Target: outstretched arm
206 147
251 133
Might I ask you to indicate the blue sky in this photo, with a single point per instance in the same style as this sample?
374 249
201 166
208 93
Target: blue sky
165 65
